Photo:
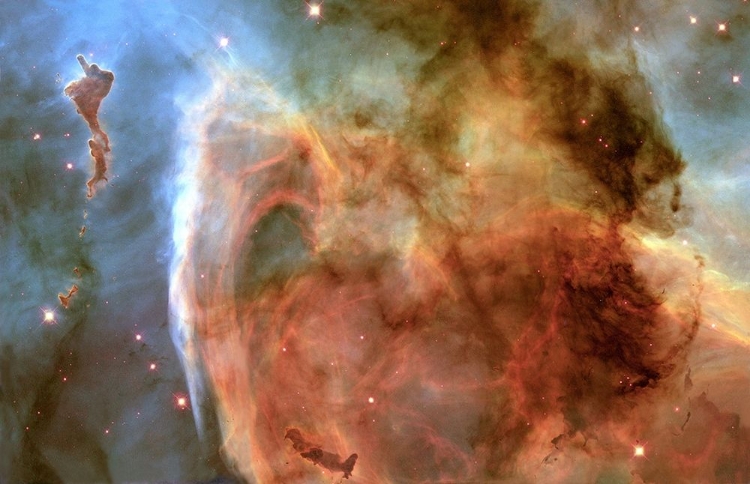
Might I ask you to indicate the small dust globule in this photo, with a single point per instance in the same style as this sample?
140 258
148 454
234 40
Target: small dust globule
65 300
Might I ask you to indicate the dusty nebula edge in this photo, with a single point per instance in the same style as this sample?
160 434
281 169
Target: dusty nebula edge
443 269
374 242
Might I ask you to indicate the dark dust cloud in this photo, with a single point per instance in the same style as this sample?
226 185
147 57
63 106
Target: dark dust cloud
374 241
87 94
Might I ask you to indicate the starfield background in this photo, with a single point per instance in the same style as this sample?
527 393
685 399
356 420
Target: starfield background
383 241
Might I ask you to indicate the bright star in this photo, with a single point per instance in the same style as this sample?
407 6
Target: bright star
181 401
313 10
49 316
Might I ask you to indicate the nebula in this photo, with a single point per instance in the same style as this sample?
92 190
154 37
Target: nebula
375 242
450 283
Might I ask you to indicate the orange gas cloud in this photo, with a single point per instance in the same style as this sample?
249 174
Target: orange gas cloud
452 287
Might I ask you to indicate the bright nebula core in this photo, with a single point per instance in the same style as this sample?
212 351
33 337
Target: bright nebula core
492 241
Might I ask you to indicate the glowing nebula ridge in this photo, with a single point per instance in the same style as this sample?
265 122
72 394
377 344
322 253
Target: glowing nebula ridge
454 280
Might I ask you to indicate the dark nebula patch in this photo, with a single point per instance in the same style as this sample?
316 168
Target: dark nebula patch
318 456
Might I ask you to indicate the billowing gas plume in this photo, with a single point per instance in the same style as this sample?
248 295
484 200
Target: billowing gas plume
439 268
